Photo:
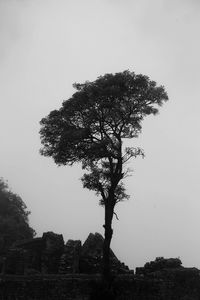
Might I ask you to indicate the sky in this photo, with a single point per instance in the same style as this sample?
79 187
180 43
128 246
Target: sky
46 46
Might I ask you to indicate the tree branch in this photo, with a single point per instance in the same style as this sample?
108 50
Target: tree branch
116 215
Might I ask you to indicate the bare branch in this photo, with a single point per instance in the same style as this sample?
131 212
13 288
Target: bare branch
116 215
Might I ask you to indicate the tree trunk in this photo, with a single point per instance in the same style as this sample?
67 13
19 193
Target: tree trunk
107 240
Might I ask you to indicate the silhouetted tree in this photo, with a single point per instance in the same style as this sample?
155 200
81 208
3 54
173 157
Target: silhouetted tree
90 127
14 224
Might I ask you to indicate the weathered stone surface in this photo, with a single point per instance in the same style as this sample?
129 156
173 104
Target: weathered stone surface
32 249
15 261
53 242
162 279
35 255
48 255
2 245
69 262
92 254
54 247
159 264
93 245
79 287
2 264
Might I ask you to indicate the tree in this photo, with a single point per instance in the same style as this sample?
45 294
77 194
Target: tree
90 128
14 224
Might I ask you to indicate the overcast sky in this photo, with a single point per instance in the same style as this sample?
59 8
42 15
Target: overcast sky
46 46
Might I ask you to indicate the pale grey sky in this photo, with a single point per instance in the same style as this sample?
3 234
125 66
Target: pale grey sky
47 45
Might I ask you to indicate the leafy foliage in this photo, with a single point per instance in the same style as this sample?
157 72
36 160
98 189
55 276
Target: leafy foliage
13 218
90 126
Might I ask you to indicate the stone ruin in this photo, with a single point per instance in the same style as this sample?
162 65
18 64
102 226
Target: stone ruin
50 255
159 265
36 259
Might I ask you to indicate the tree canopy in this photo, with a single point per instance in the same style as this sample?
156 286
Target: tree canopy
14 223
90 126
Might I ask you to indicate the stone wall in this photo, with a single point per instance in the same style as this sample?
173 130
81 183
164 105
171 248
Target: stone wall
46 269
88 287
70 259
49 255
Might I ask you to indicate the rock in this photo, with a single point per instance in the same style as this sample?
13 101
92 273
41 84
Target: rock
92 255
35 255
14 263
48 255
2 245
53 249
53 242
158 265
93 246
32 249
69 262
